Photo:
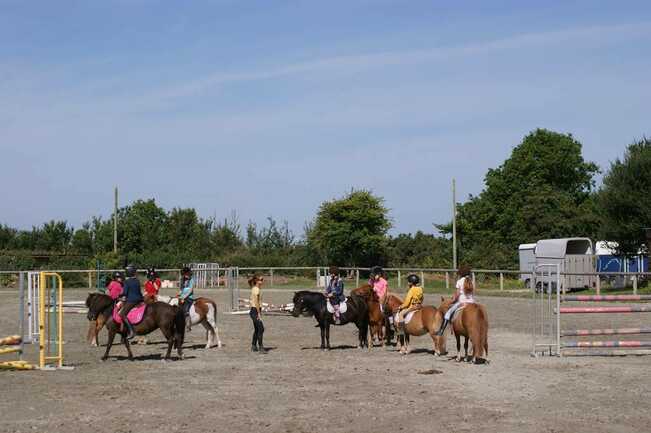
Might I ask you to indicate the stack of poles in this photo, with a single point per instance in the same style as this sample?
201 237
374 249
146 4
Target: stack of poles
611 344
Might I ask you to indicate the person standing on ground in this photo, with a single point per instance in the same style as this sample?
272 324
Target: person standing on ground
255 313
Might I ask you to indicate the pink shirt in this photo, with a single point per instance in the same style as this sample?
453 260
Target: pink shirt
114 290
380 287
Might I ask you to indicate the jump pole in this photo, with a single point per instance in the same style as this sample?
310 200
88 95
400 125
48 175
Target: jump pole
606 298
590 310
591 332
589 344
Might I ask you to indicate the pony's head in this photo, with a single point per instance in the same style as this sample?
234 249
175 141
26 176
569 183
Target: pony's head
445 304
300 306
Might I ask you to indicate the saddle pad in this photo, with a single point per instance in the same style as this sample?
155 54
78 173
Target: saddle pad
394 318
342 307
135 315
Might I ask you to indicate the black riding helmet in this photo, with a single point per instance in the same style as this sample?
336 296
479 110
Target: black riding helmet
377 270
131 271
186 271
118 275
151 274
413 279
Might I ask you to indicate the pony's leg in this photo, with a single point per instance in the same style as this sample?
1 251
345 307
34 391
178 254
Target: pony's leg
465 347
90 335
109 343
327 334
209 333
323 330
171 341
458 337
128 346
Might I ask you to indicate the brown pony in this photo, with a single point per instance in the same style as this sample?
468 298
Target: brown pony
376 318
471 321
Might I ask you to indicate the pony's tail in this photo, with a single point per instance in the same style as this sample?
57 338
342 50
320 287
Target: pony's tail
179 327
468 287
483 330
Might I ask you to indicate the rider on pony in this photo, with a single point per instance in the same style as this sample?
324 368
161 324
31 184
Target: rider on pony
186 294
335 291
413 301
152 286
380 285
463 295
133 297
114 289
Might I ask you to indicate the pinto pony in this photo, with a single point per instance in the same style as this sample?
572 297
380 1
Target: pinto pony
204 312
471 322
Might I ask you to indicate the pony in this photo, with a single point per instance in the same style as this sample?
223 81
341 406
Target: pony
99 307
204 312
376 318
314 304
471 322
424 321
158 315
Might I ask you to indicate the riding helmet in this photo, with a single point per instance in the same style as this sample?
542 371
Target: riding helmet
377 270
413 279
151 274
131 271
333 270
464 270
186 270
118 275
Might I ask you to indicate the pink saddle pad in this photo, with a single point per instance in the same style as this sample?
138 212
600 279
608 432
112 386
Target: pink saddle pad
135 315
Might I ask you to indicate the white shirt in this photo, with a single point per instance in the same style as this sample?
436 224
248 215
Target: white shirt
463 298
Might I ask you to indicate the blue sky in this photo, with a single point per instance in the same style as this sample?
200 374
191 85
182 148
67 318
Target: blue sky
269 108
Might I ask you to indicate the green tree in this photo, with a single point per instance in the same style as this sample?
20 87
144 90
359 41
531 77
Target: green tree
351 231
624 200
542 191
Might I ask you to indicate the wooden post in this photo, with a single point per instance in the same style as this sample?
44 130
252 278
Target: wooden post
598 285
474 281
422 279
90 280
271 278
501 280
635 284
447 280
357 277
398 278
318 274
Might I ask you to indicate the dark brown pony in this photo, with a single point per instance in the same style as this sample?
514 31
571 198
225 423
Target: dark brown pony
170 320
99 310
376 319
471 322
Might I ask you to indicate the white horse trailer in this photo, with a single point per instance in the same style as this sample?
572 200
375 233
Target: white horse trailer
574 256
527 255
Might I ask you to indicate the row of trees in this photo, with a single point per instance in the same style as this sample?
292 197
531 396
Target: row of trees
545 189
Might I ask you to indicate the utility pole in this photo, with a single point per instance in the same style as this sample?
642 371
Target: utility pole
454 223
115 222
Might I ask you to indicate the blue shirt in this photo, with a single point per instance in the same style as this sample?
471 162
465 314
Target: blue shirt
187 289
336 287
132 291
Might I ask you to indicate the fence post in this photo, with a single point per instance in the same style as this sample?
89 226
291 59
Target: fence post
422 279
271 277
398 278
501 280
356 277
474 281
90 280
318 274
635 284
598 284
447 280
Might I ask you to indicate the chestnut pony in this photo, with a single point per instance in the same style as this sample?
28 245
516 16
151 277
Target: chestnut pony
471 322
376 319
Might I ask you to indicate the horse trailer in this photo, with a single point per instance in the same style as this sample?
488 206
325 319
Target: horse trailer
573 256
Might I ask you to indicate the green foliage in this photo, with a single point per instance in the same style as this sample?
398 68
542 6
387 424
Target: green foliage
419 250
351 231
625 200
542 191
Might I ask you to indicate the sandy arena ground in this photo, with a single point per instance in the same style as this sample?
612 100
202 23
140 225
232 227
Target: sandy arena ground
298 388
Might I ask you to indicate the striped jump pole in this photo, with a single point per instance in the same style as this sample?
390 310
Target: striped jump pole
590 332
598 344
606 298
622 309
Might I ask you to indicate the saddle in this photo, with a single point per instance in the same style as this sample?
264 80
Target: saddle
135 316
343 307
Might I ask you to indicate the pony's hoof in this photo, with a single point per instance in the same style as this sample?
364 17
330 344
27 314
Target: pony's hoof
103 358
219 344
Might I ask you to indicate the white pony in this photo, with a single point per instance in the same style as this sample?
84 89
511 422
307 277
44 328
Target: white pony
204 312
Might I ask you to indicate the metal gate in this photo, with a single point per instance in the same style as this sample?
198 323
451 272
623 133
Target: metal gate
206 275
546 303
33 293
232 282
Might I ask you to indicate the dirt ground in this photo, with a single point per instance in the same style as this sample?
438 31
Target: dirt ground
298 388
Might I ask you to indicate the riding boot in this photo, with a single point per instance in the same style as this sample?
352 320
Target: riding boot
254 343
442 328
261 347
130 333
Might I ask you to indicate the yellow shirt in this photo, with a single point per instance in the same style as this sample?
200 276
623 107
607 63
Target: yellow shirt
256 301
414 296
